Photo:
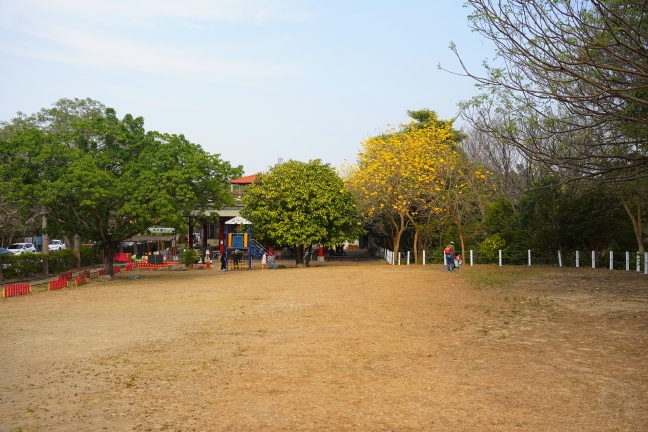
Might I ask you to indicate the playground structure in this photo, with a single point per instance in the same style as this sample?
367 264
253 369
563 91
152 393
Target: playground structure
240 247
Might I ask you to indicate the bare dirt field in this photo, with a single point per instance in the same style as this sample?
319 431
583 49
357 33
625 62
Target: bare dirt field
363 347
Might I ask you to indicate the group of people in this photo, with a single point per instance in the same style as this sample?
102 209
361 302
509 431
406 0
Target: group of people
237 259
452 261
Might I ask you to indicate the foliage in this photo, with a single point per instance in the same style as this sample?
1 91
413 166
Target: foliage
90 255
300 204
594 220
551 216
107 179
571 93
60 261
21 266
414 177
503 219
27 265
189 256
490 246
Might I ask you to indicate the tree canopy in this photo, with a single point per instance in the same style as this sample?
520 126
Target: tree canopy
105 178
571 87
298 204
411 176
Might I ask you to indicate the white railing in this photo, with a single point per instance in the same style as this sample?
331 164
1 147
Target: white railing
626 262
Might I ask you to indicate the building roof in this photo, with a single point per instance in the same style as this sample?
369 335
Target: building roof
244 180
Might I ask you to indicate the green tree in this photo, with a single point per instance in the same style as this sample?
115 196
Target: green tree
108 179
299 204
20 168
571 94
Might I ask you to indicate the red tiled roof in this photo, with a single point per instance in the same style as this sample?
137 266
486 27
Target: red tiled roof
244 180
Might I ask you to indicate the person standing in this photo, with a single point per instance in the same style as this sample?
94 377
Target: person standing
449 256
223 260
264 260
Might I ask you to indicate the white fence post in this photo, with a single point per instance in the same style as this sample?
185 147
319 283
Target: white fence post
500 257
577 259
593 259
638 262
627 261
408 257
611 260
646 263
399 254
471 257
423 256
559 259
529 256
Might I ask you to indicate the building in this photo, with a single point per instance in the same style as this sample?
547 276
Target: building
212 233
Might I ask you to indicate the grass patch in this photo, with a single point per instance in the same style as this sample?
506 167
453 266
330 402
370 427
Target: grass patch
490 276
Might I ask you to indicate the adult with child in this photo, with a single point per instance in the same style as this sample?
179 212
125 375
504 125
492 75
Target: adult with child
449 256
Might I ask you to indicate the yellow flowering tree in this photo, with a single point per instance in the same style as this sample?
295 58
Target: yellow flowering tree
396 172
412 176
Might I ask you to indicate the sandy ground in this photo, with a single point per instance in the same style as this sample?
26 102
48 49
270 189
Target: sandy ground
364 347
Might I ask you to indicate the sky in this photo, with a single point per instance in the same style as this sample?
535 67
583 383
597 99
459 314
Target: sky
255 81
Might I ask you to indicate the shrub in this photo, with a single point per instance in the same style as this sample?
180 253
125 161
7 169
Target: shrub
189 256
489 248
60 261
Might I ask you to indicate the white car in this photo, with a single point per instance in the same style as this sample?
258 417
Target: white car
18 248
56 245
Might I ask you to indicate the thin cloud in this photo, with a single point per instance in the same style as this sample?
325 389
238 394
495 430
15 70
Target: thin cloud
92 34
94 51
238 11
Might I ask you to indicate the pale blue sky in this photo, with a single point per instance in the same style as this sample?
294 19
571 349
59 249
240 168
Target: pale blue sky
251 80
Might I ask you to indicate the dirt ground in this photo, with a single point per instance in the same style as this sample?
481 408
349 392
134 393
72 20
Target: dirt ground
362 347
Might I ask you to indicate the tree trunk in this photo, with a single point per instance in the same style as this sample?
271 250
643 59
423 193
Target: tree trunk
299 254
461 238
416 236
400 229
636 224
109 252
76 244
45 243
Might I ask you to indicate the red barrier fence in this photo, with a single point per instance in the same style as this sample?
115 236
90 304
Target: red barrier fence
57 284
101 272
16 289
80 281
129 266
85 274
146 266
116 270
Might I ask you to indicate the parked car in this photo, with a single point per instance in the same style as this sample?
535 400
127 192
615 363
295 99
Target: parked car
18 248
56 245
4 251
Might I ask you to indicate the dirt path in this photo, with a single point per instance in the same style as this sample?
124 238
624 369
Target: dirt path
351 348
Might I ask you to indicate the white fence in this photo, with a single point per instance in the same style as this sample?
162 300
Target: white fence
628 261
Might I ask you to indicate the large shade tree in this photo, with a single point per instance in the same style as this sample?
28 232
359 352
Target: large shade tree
107 179
572 77
299 204
570 90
